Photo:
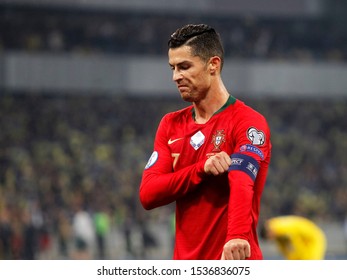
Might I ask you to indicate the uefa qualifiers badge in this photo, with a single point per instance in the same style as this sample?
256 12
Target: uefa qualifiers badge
197 140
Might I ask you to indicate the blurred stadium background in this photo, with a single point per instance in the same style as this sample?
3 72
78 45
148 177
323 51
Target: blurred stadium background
84 83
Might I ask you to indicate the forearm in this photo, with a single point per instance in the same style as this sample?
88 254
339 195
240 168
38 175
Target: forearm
159 189
240 206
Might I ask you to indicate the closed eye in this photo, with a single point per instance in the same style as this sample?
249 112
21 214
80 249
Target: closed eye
180 66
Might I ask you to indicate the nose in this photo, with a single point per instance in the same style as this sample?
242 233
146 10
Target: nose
176 75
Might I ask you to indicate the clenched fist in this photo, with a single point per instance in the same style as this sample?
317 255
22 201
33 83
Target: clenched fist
217 164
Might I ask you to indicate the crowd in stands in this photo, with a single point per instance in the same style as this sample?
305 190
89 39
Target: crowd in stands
63 154
119 32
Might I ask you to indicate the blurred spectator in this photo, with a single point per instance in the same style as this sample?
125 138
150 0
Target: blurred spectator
64 233
102 228
5 233
84 235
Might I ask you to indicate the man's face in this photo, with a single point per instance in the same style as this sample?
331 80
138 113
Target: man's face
190 73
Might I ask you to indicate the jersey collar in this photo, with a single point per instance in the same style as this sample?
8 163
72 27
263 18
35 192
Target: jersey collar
231 100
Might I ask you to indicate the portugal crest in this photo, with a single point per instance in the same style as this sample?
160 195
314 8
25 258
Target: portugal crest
218 139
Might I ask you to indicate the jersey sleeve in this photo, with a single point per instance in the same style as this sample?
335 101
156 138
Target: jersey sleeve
160 185
247 173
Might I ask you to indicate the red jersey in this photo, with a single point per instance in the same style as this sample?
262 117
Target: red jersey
210 210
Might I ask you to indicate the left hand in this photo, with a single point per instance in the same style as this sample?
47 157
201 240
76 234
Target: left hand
236 249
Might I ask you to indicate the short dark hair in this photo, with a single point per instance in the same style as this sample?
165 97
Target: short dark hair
204 41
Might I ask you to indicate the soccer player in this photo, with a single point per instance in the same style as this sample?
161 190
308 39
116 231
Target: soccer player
211 157
297 238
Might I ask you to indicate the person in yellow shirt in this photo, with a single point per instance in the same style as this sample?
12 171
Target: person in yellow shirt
297 238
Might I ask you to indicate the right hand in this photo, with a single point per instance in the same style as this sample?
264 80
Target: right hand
236 249
217 164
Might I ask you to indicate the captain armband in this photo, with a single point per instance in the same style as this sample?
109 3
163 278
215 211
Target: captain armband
245 164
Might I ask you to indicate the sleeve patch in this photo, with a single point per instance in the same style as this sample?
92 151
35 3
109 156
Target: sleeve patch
245 164
252 149
152 160
257 137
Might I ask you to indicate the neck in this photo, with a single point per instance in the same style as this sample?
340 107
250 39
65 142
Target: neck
205 109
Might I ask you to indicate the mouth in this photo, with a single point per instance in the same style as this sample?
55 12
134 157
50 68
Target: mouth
182 87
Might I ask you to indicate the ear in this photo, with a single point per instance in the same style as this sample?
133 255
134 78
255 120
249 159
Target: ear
215 64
